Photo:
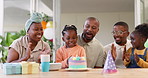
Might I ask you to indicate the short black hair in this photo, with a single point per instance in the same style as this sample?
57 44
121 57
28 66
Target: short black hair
69 27
121 23
142 29
92 18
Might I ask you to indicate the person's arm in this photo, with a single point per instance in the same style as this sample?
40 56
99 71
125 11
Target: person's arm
126 56
82 52
101 59
13 56
141 62
126 63
113 52
59 59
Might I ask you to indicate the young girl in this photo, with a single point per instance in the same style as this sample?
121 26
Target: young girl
137 56
71 48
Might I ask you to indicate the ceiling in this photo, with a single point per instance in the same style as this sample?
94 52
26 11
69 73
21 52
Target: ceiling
83 6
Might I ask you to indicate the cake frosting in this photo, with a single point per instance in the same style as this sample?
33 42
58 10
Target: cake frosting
77 63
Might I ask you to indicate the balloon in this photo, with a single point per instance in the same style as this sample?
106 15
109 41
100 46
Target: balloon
146 44
44 24
49 24
48 33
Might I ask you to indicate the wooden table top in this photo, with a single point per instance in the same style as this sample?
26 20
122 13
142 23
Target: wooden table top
92 73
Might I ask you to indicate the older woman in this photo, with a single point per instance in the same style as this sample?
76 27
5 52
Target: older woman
30 46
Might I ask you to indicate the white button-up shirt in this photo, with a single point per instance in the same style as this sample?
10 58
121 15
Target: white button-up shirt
119 51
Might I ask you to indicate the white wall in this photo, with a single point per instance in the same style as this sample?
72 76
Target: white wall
1 16
15 16
107 21
146 11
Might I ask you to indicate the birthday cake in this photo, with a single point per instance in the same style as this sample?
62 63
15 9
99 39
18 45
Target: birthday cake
77 63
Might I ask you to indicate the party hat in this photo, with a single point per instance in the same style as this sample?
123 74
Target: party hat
109 66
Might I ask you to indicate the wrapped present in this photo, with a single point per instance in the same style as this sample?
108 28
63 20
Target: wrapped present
12 68
30 67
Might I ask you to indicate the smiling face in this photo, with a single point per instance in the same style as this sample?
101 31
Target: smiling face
35 32
137 40
91 27
120 38
70 38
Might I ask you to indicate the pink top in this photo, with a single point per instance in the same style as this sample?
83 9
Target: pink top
64 53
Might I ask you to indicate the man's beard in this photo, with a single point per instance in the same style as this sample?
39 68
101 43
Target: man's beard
119 42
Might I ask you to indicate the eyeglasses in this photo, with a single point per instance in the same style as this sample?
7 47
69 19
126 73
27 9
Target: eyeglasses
118 32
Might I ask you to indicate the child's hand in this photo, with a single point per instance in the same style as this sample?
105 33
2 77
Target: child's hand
136 57
113 51
68 60
127 56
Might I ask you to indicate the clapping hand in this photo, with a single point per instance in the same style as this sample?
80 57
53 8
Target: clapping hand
136 57
113 51
28 51
126 55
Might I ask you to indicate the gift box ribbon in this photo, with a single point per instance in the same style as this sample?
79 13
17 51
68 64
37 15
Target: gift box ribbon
29 68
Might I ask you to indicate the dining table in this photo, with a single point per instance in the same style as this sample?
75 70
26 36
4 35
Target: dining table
90 73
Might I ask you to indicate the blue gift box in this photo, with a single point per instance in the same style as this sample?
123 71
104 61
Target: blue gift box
12 68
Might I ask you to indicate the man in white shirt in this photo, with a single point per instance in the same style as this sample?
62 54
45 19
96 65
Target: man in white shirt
120 33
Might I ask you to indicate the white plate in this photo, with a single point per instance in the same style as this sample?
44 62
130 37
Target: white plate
55 66
53 69
84 69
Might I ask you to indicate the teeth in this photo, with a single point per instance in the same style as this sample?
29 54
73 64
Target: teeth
117 38
38 35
